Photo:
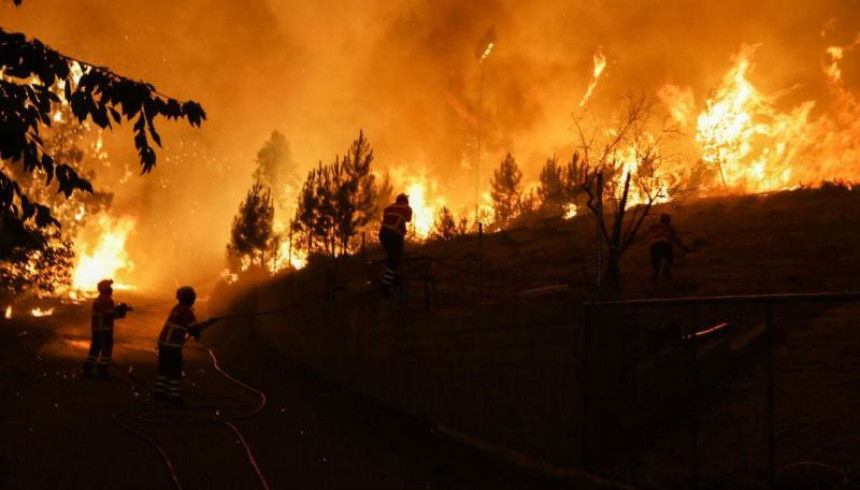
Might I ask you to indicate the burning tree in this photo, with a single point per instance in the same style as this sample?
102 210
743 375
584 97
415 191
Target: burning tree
40 87
506 190
252 234
622 169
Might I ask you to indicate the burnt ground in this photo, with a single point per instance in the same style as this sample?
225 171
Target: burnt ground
59 432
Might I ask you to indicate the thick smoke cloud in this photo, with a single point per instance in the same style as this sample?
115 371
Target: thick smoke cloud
406 73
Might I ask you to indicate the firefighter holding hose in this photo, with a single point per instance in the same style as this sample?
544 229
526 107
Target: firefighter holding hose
105 311
181 324
391 235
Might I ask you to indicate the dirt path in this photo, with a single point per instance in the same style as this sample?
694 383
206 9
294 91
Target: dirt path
58 429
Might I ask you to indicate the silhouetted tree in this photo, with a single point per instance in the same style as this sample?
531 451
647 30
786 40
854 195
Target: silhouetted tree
252 233
561 185
620 175
356 192
551 189
338 200
506 190
444 226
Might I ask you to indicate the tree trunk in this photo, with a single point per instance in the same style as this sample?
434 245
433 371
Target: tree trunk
612 277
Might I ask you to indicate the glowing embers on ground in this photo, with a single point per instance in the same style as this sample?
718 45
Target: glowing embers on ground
39 312
7 314
101 253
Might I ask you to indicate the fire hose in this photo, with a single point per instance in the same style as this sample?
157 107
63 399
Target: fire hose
155 417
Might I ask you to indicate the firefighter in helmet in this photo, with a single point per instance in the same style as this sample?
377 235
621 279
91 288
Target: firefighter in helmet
180 325
663 238
391 235
103 316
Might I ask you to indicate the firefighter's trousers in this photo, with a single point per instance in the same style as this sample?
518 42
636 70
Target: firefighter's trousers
102 344
392 242
169 371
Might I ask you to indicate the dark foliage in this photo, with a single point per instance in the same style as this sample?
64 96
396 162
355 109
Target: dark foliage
252 233
445 226
506 190
338 201
36 82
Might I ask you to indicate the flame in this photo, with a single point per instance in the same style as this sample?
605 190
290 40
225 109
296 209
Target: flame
487 51
105 257
599 60
8 314
748 142
570 211
38 312
290 257
425 199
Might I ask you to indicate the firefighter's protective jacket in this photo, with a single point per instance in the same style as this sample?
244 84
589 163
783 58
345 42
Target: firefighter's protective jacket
180 324
664 233
396 216
103 314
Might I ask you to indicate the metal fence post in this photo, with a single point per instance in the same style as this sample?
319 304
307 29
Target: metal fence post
583 449
770 402
694 400
480 260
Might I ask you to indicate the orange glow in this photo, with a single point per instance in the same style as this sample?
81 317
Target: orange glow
8 313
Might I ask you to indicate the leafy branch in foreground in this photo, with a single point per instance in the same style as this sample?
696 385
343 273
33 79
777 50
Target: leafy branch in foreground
35 81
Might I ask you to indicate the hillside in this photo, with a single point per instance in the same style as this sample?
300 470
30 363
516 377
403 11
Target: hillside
507 368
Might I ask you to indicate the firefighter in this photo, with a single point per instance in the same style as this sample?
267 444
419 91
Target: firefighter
391 235
179 326
104 314
663 237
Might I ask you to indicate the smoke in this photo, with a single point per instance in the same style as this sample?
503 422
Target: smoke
406 73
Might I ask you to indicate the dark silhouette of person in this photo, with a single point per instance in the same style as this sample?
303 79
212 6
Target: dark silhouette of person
391 235
181 324
103 316
663 238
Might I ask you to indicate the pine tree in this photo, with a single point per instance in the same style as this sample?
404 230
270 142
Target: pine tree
506 190
276 169
551 190
252 232
338 200
444 227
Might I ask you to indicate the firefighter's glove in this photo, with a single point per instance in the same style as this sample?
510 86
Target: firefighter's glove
122 309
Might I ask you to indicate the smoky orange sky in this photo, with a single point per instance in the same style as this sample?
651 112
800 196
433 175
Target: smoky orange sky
406 73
